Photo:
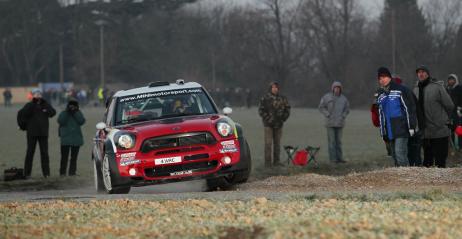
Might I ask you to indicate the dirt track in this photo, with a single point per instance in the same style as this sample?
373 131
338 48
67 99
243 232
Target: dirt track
390 179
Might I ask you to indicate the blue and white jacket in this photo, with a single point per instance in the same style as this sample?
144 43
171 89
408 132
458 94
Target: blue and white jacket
397 110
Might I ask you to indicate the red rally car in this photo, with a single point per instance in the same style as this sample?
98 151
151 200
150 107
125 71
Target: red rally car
168 132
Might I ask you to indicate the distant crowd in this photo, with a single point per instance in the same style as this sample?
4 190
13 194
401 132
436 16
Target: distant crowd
96 97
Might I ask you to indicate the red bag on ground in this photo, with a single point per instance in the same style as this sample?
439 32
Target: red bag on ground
458 130
301 158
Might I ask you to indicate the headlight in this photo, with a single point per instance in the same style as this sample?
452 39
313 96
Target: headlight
224 129
126 141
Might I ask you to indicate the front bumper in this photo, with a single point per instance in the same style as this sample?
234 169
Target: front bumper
162 166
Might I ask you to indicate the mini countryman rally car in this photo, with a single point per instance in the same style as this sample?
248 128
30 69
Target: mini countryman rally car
166 133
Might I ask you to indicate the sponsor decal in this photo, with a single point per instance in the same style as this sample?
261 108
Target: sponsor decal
126 162
158 94
228 147
181 173
128 159
229 142
168 160
128 155
233 150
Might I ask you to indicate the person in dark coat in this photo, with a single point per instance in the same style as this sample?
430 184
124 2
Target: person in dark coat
437 106
33 118
454 90
7 96
70 121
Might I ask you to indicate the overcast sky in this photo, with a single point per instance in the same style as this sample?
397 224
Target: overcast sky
373 7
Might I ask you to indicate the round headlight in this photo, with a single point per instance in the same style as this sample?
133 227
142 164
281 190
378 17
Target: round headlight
224 129
126 141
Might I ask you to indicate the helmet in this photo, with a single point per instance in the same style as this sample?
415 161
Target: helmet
459 130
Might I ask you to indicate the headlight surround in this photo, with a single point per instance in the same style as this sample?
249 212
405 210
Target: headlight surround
126 141
224 129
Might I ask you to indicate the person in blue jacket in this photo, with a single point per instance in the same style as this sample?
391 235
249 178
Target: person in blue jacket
398 117
70 121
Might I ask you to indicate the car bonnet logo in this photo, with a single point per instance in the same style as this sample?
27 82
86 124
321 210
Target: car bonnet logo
176 128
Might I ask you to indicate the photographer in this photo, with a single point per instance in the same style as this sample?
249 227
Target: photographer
70 133
33 118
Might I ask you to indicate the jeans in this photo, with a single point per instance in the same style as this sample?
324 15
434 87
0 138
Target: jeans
272 145
334 140
399 148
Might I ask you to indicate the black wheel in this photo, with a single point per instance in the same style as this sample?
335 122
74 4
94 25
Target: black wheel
243 176
107 179
99 184
222 183
228 182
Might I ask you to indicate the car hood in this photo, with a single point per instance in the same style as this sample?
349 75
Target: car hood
177 125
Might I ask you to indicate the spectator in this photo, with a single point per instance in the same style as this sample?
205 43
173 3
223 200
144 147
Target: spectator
7 96
455 91
335 108
398 117
33 118
274 109
70 121
437 106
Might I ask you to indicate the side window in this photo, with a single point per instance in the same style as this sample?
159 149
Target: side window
110 112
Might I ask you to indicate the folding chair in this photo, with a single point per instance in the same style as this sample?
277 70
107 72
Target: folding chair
290 150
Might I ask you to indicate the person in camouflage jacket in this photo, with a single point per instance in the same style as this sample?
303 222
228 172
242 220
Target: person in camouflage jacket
274 109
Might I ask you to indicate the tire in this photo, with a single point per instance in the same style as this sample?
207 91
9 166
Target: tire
99 184
107 178
222 183
229 182
243 176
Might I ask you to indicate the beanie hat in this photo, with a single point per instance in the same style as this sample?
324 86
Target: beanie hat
422 68
383 71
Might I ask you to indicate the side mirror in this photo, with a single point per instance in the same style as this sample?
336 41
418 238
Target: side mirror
227 111
100 126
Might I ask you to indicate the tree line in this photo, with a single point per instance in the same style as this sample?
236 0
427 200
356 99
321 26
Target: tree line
303 44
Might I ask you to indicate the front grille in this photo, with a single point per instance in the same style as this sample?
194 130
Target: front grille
194 167
181 150
196 157
179 140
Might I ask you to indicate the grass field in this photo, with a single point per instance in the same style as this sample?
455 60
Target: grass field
363 148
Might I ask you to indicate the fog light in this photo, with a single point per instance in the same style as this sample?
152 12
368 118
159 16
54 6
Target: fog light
226 160
132 171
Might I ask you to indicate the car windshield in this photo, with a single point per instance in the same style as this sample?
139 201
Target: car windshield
164 104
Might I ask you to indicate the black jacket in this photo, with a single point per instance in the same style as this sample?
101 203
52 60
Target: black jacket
35 116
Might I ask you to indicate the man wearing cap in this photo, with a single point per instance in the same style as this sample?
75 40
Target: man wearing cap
274 109
35 114
437 106
398 118
455 91
335 108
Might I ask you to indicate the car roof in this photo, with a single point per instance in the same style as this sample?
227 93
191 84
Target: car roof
147 89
